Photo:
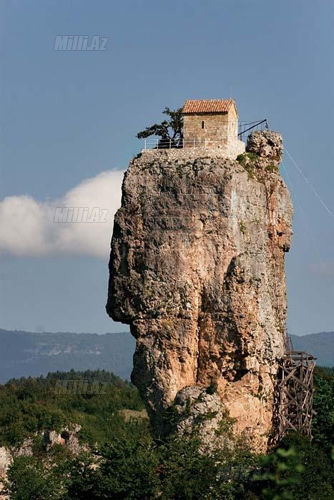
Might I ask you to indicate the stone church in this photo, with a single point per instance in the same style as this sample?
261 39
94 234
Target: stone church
212 123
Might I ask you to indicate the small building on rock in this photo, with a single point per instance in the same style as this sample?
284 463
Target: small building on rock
212 123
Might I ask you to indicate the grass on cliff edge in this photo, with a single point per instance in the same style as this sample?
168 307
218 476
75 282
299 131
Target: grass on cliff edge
249 162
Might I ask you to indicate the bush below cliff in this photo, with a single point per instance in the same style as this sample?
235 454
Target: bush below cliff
124 462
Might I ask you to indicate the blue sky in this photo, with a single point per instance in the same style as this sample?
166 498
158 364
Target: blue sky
69 116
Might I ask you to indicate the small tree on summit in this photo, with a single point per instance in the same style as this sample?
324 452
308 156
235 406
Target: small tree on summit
170 131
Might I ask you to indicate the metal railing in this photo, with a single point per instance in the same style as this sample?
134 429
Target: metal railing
194 142
232 130
246 128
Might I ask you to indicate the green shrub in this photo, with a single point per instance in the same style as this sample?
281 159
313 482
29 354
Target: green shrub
245 158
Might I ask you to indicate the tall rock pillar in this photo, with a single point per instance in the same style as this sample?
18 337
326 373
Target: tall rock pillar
197 271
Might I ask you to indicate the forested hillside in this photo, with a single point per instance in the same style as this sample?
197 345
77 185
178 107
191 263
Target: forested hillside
118 457
34 354
94 400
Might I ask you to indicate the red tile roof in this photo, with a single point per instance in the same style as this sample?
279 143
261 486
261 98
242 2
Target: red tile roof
199 106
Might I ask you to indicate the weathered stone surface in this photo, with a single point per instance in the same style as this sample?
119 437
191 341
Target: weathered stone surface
196 410
5 460
197 270
52 437
68 437
25 449
267 144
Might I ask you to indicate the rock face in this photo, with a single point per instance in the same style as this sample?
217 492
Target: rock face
68 437
195 408
267 145
5 462
197 271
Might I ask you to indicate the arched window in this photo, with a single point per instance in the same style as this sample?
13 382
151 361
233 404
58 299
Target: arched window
203 124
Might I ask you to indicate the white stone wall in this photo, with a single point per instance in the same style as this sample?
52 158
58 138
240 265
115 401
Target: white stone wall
230 150
218 127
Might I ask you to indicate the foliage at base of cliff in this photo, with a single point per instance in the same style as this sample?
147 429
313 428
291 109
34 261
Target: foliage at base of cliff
94 400
129 464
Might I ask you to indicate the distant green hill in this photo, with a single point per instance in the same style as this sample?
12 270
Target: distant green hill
25 354
321 345
33 354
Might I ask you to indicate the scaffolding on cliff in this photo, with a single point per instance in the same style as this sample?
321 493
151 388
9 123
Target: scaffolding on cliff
295 391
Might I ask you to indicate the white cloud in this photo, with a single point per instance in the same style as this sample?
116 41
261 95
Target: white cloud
28 227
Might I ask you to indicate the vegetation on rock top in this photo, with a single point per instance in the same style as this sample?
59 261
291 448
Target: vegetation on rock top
169 131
